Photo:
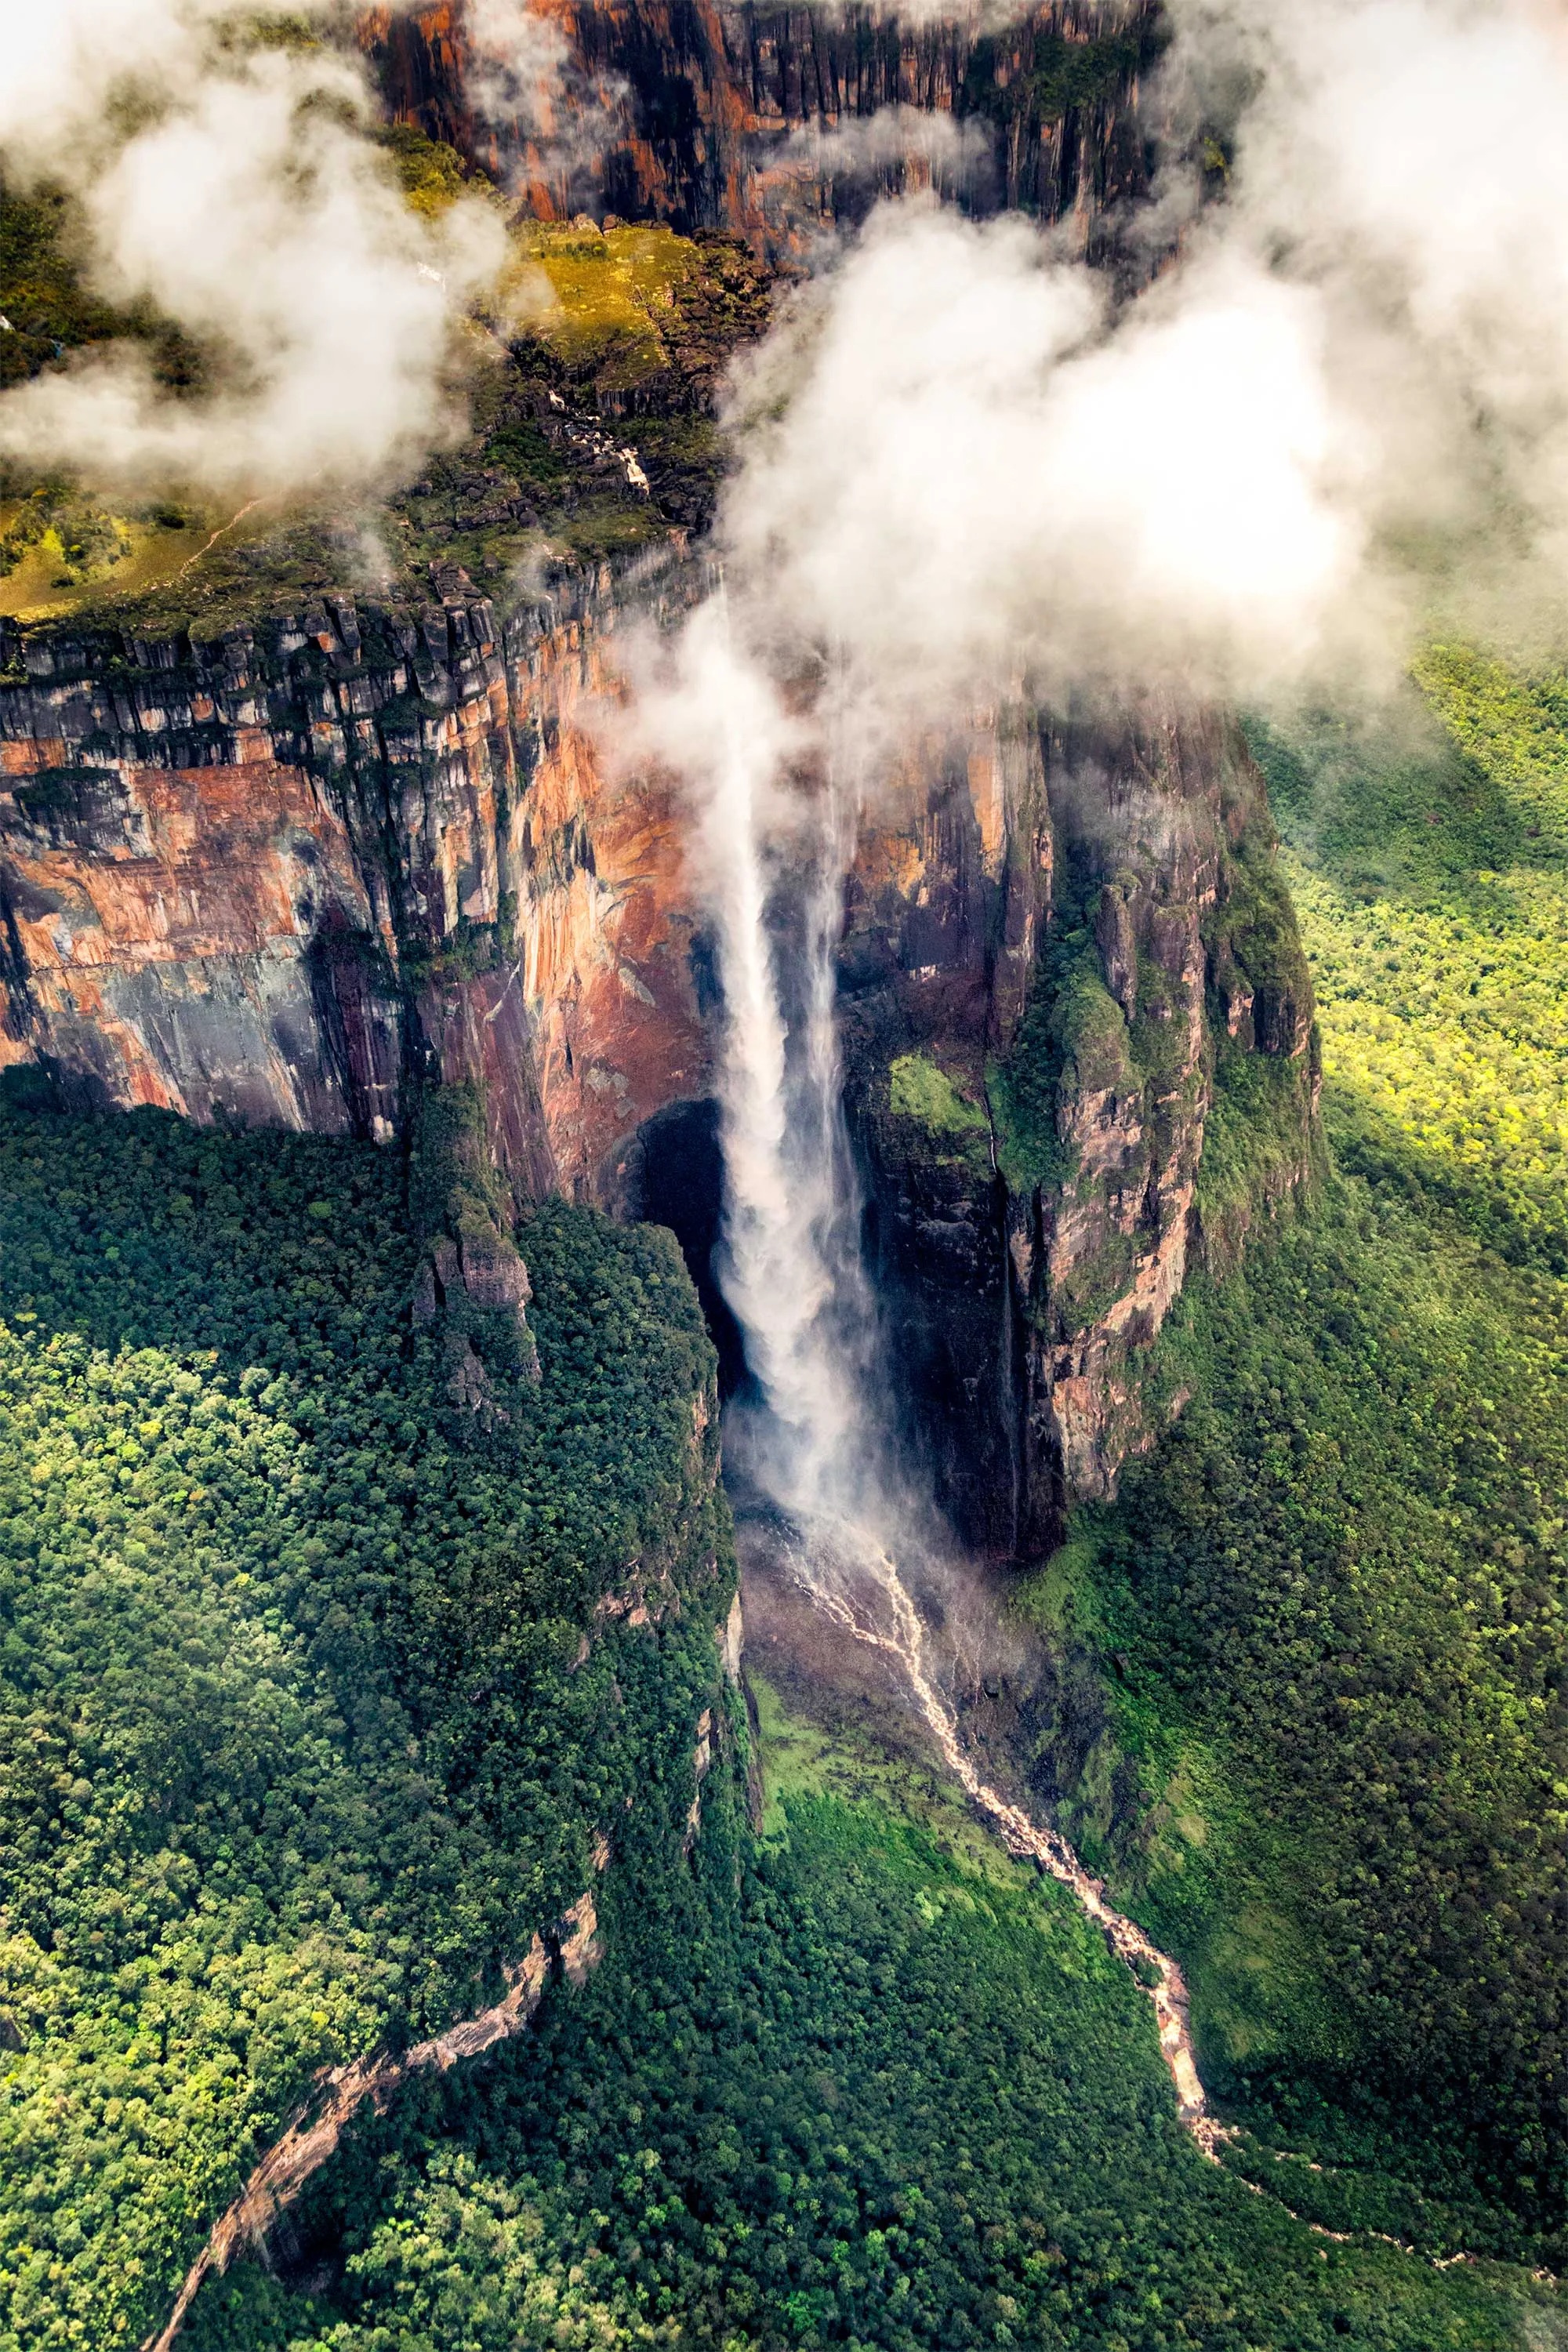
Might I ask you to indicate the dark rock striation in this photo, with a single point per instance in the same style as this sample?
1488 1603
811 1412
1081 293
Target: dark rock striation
300 875
702 102
1080 1054
283 875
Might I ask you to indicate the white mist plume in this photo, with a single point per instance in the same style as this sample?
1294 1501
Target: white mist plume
551 119
974 470
965 459
1409 160
946 151
791 1266
237 191
963 456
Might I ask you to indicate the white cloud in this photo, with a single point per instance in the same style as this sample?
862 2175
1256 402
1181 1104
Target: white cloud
946 152
238 192
977 471
964 460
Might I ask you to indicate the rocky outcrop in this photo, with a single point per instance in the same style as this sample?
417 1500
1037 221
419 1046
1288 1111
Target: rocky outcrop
702 107
1074 938
195 936
295 874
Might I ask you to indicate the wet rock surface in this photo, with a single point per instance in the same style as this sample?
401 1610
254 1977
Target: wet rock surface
291 875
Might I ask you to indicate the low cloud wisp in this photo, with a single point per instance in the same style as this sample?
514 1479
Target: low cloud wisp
236 189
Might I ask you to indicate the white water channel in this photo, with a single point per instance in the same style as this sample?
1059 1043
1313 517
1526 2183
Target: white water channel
812 1443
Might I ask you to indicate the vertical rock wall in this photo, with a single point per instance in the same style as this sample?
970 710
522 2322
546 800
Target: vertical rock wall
279 875
700 100
1073 936
290 876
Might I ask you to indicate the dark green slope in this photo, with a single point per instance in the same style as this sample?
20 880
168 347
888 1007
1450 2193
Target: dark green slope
861 2083
1335 1594
299 1750
296 1745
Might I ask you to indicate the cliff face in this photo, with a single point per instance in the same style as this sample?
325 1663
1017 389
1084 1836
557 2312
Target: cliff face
1068 948
698 102
290 875
279 875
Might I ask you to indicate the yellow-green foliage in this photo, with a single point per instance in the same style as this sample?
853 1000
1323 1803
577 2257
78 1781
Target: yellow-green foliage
1428 869
433 175
1515 728
60 553
76 540
1460 1033
917 1088
610 290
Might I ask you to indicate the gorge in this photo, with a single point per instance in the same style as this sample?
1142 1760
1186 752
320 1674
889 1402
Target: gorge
781 1133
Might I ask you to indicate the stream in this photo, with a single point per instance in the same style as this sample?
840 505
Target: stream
852 1580
814 1434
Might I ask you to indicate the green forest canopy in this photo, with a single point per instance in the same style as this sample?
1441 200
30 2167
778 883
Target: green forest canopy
295 1753
1335 1593
296 1745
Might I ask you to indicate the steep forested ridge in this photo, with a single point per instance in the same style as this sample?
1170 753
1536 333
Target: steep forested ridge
1428 858
309 1718
1331 1607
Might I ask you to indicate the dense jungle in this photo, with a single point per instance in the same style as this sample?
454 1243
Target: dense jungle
495 1854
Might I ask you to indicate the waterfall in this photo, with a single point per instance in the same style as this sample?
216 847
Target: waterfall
812 1443
790 1260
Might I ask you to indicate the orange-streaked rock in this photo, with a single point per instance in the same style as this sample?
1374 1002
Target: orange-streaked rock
285 877
697 106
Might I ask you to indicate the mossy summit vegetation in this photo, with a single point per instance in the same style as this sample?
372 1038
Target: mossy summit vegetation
1335 1771
590 382
307 1718
58 541
595 437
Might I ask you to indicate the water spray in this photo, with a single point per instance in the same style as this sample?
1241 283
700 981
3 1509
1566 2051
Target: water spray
790 1266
